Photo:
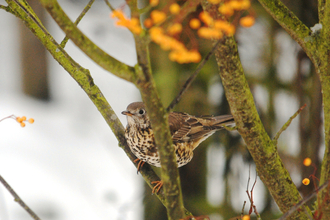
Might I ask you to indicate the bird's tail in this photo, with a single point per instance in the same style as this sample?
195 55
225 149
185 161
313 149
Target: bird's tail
223 120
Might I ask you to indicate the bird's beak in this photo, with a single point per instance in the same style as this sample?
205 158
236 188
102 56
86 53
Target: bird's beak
126 113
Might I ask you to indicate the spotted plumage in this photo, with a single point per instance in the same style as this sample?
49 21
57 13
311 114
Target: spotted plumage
187 133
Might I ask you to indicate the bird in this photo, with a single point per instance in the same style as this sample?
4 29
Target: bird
187 133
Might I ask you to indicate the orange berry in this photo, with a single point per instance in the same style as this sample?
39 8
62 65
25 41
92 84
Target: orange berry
246 217
19 119
247 21
194 23
306 181
158 17
134 26
230 30
156 34
174 29
206 18
148 23
246 4
174 8
220 24
22 124
195 56
153 3
209 33
214 1
234 4
31 121
118 13
23 118
226 9
307 161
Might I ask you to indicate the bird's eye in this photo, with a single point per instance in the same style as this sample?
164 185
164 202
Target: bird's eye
141 112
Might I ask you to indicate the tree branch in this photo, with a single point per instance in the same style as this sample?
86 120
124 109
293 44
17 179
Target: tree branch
295 28
268 163
18 199
303 201
85 80
191 78
159 121
82 14
316 45
85 44
287 124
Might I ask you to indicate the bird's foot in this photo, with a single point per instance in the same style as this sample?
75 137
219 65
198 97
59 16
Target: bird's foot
140 164
157 187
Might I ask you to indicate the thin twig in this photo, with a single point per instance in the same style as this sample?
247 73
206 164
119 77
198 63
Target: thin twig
308 215
286 125
242 213
304 200
82 14
109 5
192 77
10 116
145 9
18 199
3 7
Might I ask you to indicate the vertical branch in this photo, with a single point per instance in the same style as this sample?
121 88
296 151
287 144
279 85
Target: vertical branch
263 150
323 69
159 121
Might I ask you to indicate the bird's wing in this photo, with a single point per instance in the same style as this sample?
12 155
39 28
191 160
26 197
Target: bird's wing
185 128
178 125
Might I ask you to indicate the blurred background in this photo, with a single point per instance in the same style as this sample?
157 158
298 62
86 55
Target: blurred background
67 165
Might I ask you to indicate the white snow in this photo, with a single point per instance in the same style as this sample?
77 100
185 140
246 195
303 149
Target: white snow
67 165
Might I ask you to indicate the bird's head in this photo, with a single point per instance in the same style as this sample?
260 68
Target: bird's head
137 115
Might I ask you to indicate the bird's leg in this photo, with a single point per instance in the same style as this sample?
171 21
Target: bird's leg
157 187
140 164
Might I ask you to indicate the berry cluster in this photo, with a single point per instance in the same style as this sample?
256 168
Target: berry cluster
20 120
206 26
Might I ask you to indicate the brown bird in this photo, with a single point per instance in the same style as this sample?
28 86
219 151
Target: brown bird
187 133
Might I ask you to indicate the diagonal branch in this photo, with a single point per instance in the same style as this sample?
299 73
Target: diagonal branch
85 81
295 28
191 78
18 199
304 201
85 44
82 14
286 125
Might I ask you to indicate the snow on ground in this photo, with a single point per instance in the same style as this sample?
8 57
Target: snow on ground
67 165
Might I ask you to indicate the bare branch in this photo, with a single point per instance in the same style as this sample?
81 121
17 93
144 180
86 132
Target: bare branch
304 200
82 14
192 77
286 125
109 5
18 199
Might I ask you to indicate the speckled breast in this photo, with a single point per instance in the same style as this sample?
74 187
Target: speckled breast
142 145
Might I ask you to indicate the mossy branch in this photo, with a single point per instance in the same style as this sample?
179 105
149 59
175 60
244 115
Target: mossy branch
294 27
268 163
316 45
159 121
82 14
84 79
286 125
85 44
